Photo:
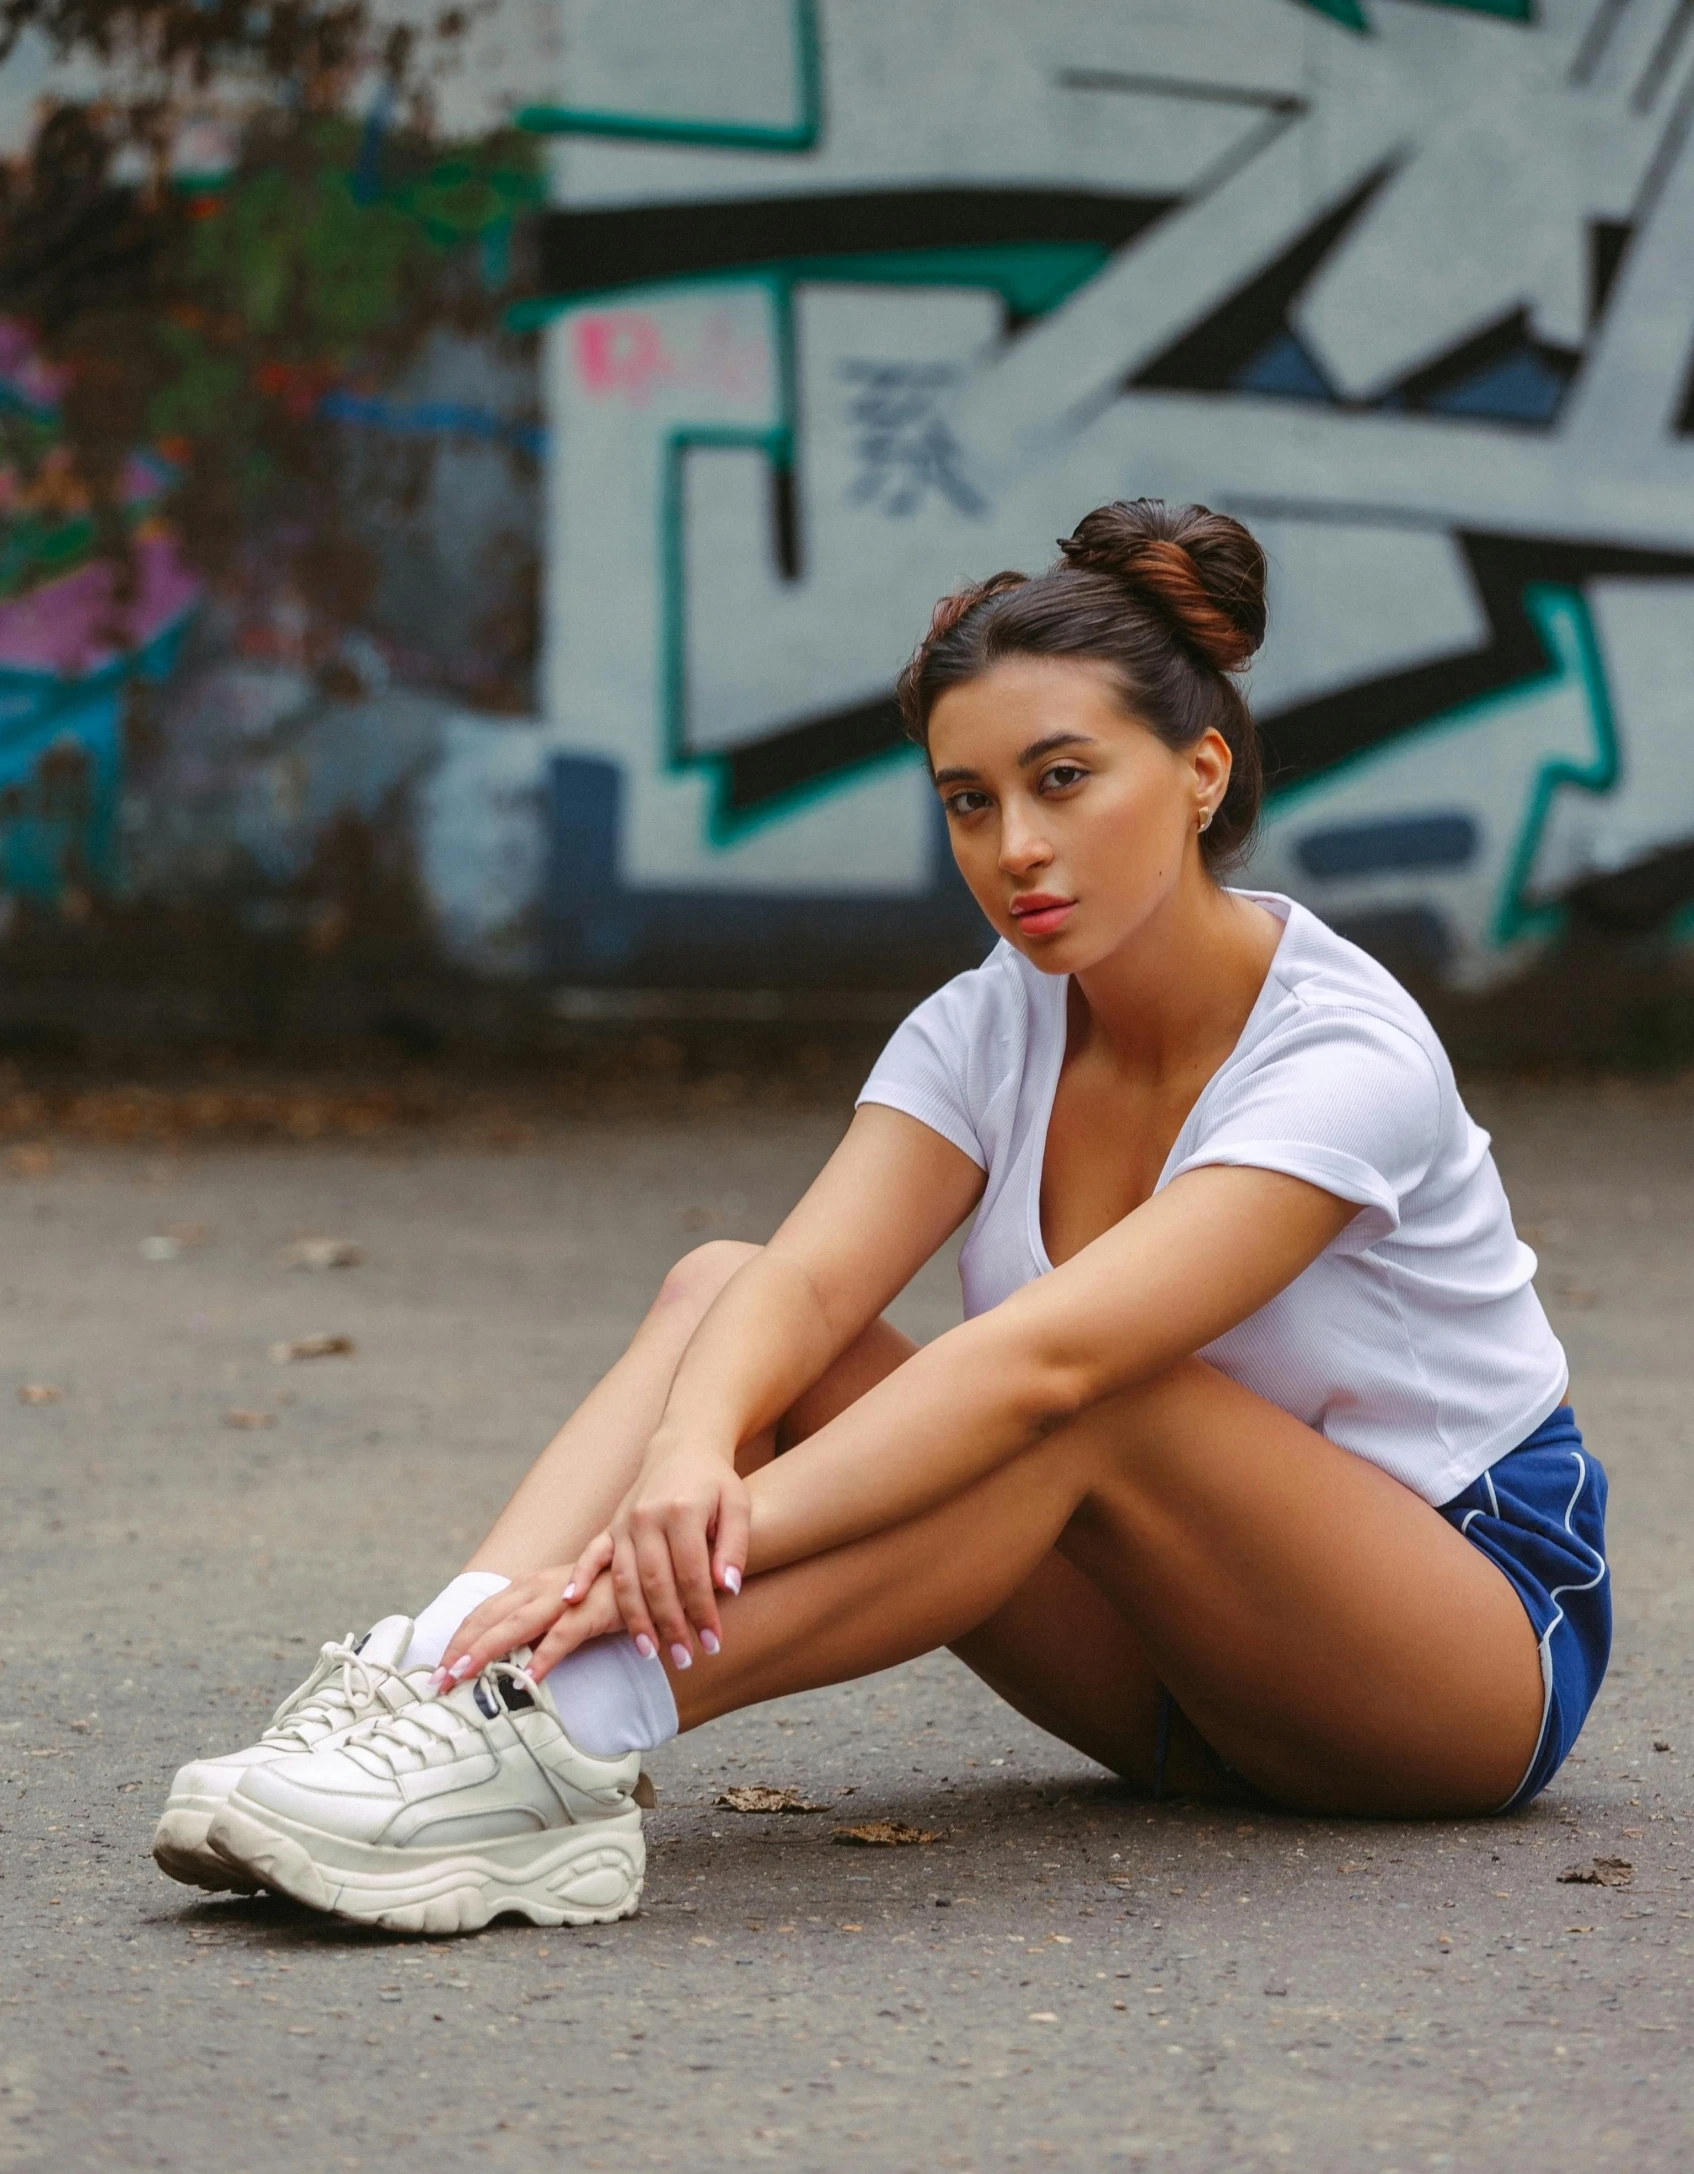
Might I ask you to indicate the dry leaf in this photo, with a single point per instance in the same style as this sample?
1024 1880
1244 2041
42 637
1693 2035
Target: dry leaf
39 1392
757 1798
884 1834
313 1347
314 1253
250 1420
1604 1872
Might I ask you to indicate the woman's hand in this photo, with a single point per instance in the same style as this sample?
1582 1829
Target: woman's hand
533 1613
679 1538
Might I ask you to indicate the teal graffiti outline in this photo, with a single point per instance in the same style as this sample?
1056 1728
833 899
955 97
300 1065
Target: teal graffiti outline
802 134
1566 627
1549 605
1350 14
724 826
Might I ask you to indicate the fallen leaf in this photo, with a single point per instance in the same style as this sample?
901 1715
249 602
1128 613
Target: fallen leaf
1604 1872
39 1392
250 1420
884 1834
756 1797
316 1253
313 1347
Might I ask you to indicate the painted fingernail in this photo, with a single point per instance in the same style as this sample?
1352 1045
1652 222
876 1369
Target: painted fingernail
709 1639
681 1657
461 1669
570 1590
732 1578
646 1648
440 1680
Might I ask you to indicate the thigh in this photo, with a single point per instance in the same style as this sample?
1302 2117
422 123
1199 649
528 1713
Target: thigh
1064 1656
1327 1632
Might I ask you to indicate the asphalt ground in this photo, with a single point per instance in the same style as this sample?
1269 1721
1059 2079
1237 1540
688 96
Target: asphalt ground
1066 1976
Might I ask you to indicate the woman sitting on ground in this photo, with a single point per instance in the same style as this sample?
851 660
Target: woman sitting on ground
1249 1471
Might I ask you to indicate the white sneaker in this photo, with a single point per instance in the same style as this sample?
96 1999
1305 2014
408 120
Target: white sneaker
352 1680
449 1813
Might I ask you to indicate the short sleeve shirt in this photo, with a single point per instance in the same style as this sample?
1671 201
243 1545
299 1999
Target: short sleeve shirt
1415 1338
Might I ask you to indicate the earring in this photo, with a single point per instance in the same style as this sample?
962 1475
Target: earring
1206 819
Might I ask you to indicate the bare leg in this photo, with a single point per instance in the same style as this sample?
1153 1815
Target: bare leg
1331 1636
581 1476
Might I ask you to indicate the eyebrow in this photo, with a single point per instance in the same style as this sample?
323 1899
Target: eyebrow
1048 744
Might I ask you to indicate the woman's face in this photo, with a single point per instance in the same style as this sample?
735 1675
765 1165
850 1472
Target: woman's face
1071 822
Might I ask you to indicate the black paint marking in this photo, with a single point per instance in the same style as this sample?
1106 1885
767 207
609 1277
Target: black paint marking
584 251
1208 357
808 752
1311 737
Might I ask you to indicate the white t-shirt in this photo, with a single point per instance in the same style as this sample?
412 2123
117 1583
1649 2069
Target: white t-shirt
1415 1338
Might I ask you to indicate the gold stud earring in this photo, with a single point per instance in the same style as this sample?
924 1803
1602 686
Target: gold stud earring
1206 819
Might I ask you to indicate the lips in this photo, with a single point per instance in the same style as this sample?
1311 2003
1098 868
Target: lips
1041 913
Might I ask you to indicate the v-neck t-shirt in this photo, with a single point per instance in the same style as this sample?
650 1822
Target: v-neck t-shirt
1415 1339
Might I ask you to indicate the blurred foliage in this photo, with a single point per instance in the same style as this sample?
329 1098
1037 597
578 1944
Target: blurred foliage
206 316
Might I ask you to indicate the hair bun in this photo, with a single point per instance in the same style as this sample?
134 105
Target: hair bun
1201 569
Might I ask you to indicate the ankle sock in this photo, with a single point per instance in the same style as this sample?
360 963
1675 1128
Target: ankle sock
611 1700
437 1623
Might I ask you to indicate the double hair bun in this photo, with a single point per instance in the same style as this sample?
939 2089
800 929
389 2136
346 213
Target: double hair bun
1201 570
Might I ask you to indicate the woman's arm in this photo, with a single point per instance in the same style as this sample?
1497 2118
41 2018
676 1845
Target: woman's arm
889 1196
1189 1264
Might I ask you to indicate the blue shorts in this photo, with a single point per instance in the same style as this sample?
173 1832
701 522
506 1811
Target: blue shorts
1540 1513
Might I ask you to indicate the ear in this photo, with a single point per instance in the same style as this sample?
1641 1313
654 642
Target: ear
1212 764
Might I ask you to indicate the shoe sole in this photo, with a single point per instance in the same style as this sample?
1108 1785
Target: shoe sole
589 1875
181 1852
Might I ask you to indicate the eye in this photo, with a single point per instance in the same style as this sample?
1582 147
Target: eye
1059 777
966 801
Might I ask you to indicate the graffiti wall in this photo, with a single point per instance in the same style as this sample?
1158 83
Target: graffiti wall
480 500
849 299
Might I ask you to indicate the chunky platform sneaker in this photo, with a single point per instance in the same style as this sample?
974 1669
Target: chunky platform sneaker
352 1681
438 1818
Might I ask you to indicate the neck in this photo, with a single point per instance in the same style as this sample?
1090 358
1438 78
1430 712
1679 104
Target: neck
1177 993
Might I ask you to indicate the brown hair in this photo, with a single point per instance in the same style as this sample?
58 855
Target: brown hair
1171 597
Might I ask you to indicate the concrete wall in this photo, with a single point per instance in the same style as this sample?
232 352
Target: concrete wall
833 303
858 297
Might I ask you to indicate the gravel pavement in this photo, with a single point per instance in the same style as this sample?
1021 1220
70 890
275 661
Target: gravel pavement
1067 1976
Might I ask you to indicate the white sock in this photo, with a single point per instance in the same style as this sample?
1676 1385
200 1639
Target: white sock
611 1700
437 1623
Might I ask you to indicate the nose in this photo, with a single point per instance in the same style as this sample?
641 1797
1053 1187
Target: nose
1023 847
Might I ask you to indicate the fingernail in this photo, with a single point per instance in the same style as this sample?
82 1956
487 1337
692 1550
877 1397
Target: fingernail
732 1578
709 1639
646 1648
570 1590
440 1680
681 1657
461 1668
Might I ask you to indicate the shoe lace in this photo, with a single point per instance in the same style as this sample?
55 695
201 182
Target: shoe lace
400 1743
350 1681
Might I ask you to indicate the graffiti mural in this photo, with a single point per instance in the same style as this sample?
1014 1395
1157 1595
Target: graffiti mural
846 300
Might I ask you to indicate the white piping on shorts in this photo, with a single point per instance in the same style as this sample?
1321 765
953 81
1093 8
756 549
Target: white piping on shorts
1555 1596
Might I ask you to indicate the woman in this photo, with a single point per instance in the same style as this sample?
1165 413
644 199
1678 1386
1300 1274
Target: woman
1249 1471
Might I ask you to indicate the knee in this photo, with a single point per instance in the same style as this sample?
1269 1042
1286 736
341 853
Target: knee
699 1276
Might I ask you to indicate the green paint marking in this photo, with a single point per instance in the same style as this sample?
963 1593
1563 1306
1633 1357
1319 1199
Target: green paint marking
804 133
1567 628
1346 12
727 826
1562 620
1350 14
